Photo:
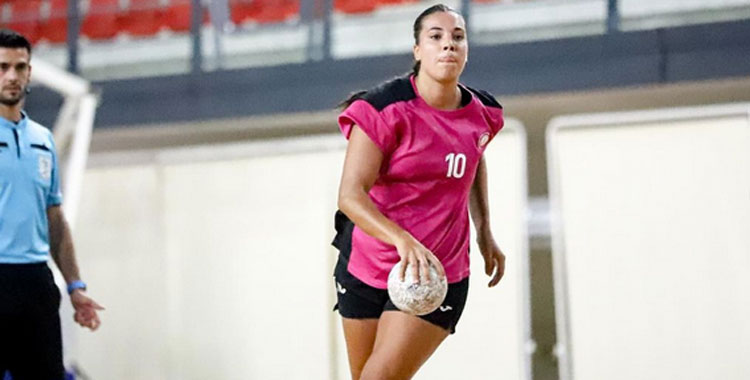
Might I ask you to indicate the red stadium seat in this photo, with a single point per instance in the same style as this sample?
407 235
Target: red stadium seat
272 11
100 21
262 11
177 16
25 18
390 2
55 27
243 10
142 18
354 6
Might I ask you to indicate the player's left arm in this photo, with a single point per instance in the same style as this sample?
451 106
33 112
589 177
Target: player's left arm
494 259
63 253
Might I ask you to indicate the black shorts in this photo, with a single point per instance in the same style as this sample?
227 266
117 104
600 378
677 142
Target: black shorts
31 344
358 300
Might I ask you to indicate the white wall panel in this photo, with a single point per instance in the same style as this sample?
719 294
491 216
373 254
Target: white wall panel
213 262
249 242
651 244
120 246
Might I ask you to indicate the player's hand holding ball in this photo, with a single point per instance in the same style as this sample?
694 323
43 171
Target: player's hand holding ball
417 284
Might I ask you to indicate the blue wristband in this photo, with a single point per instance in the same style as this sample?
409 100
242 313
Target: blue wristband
76 285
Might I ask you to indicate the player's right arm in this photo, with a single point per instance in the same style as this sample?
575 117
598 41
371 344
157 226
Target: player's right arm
361 170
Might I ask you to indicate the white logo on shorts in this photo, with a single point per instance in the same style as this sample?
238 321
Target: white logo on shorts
340 288
45 167
445 308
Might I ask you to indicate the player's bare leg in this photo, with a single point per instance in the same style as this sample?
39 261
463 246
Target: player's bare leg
403 343
360 339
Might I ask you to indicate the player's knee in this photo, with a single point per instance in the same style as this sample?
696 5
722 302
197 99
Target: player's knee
375 374
380 370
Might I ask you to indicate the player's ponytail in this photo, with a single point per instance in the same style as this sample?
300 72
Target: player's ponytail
354 96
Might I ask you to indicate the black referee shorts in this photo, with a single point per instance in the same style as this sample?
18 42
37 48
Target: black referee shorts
31 343
358 300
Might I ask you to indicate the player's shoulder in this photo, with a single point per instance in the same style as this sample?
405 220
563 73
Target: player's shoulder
395 90
487 99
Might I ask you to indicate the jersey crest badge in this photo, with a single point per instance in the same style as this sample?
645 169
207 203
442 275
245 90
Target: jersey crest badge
483 140
45 167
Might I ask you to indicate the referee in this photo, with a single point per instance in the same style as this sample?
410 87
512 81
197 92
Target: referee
32 228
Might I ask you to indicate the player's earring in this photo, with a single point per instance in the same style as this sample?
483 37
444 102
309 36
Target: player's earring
27 90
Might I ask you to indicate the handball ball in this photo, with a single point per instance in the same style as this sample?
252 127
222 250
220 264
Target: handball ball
412 297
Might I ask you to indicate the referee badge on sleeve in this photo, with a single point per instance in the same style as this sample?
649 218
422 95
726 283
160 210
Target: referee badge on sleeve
45 167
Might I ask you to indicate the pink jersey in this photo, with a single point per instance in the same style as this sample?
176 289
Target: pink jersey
430 160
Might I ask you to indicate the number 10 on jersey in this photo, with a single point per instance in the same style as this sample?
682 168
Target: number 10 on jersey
456 165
